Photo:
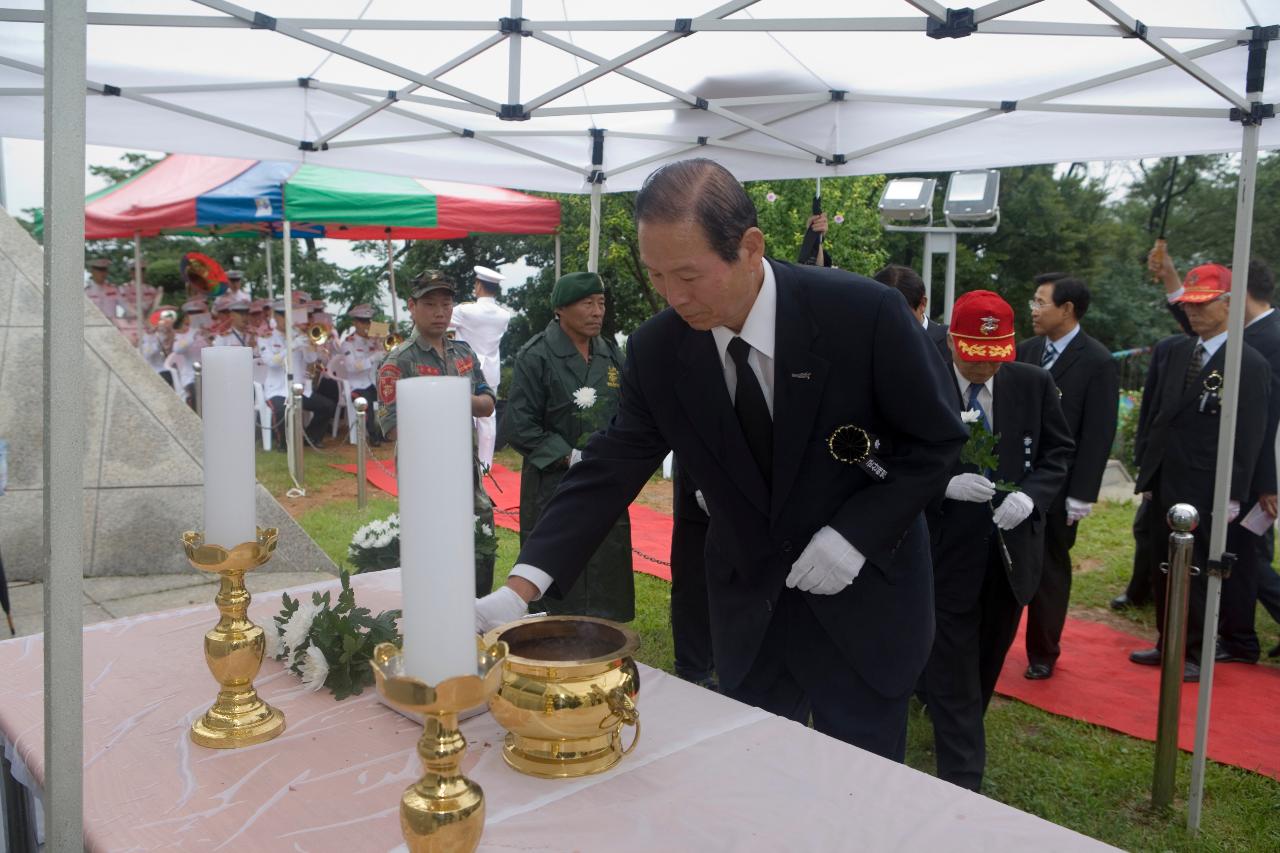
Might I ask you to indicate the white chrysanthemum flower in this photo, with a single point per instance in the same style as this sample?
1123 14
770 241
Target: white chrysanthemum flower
271 635
298 627
394 519
972 416
584 397
486 530
315 669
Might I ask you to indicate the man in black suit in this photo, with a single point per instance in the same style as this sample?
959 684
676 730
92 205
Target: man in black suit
1253 580
808 409
911 286
1089 390
987 561
690 615
1177 439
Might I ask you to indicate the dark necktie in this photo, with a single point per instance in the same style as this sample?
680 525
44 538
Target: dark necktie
752 410
1194 366
1050 355
974 405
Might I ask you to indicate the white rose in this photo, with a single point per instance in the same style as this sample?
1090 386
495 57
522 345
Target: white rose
486 530
972 416
584 397
298 627
315 669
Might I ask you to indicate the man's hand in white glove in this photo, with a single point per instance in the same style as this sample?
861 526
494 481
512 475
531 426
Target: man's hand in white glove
1077 510
970 487
499 607
827 565
1233 511
702 502
1013 511
575 456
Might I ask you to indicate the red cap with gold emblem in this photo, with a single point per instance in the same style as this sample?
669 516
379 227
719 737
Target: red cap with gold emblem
1205 283
982 327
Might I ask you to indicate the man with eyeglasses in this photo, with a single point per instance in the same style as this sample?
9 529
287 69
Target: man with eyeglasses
1177 440
1089 390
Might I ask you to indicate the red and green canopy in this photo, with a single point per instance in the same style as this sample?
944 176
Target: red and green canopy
191 194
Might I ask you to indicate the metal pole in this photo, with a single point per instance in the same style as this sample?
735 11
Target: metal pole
593 244
391 278
362 490
557 256
1226 452
298 436
3 201
949 294
926 271
199 386
1184 519
514 43
137 288
271 289
292 450
64 423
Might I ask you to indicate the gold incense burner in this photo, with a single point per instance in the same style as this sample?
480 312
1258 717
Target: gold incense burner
234 647
443 812
568 688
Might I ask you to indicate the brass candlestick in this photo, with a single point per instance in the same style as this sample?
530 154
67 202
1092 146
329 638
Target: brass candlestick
443 812
234 647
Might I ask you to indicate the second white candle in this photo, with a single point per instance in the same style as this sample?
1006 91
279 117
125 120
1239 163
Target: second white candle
437 535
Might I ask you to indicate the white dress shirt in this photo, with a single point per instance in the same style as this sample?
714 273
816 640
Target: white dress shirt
1261 316
1212 346
986 397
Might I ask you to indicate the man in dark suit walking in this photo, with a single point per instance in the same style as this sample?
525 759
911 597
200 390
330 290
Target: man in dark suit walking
906 281
987 560
807 407
1177 439
1089 391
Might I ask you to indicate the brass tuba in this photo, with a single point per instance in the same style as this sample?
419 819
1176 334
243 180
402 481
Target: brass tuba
318 334
392 341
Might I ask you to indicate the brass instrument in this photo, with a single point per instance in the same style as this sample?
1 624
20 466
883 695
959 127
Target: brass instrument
392 341
319 334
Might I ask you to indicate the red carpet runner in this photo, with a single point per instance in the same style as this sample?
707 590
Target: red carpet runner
1093 681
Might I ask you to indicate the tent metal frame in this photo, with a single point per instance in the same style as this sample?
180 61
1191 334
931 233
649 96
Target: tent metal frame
65 84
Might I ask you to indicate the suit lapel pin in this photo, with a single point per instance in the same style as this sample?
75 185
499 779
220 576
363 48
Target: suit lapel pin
805 375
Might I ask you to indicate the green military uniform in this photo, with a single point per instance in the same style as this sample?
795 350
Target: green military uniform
415 358
543 423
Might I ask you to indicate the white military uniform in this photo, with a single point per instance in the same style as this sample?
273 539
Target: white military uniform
272 354
186 346
233 339
238 297
153 351
106 296
127 322
358 360
482 324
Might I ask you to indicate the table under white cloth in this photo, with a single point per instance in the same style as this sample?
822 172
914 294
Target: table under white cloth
709 773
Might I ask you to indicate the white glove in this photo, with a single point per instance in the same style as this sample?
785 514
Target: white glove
827 565
575 456
970 487
1077 510
499 607
1013 510
1233 511
702 502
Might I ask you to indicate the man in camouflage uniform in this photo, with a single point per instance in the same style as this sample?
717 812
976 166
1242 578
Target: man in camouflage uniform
564 389
429 352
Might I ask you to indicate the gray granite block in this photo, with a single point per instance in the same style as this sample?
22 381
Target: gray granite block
22 533
159 461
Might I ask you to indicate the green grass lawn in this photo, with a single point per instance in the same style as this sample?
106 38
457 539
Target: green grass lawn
1074 774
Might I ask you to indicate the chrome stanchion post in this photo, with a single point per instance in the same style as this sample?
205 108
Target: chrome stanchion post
362 443
195 367
298 436
1183 518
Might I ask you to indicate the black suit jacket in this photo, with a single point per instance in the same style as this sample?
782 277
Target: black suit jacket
1035 450
938 333
1089 390
1264 336
1177 445
847 351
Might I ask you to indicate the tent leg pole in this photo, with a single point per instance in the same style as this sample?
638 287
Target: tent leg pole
950 295
1226 451
64 424
593 245
271 288
926 271
391 282
137 288
287 272
558 256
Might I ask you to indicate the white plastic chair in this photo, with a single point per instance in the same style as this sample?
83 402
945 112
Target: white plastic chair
263 408
346 410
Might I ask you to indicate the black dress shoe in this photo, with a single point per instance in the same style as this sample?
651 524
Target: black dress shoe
1146 657
1191 672
1224 656
1124 602
1038 672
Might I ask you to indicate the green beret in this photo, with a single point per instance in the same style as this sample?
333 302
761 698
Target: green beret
574 286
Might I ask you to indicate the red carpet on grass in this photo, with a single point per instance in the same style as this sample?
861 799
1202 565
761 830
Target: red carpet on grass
1093 681
650 529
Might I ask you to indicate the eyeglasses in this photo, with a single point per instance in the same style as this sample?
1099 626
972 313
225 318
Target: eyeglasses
1037 305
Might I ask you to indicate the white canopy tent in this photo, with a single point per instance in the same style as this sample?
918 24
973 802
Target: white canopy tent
547 95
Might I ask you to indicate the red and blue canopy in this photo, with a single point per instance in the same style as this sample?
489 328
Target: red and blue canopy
191 194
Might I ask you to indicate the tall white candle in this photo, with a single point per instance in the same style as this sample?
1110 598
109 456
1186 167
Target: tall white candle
437 534
230 517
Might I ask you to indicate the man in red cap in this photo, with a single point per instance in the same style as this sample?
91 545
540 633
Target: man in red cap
987 530
1177 441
